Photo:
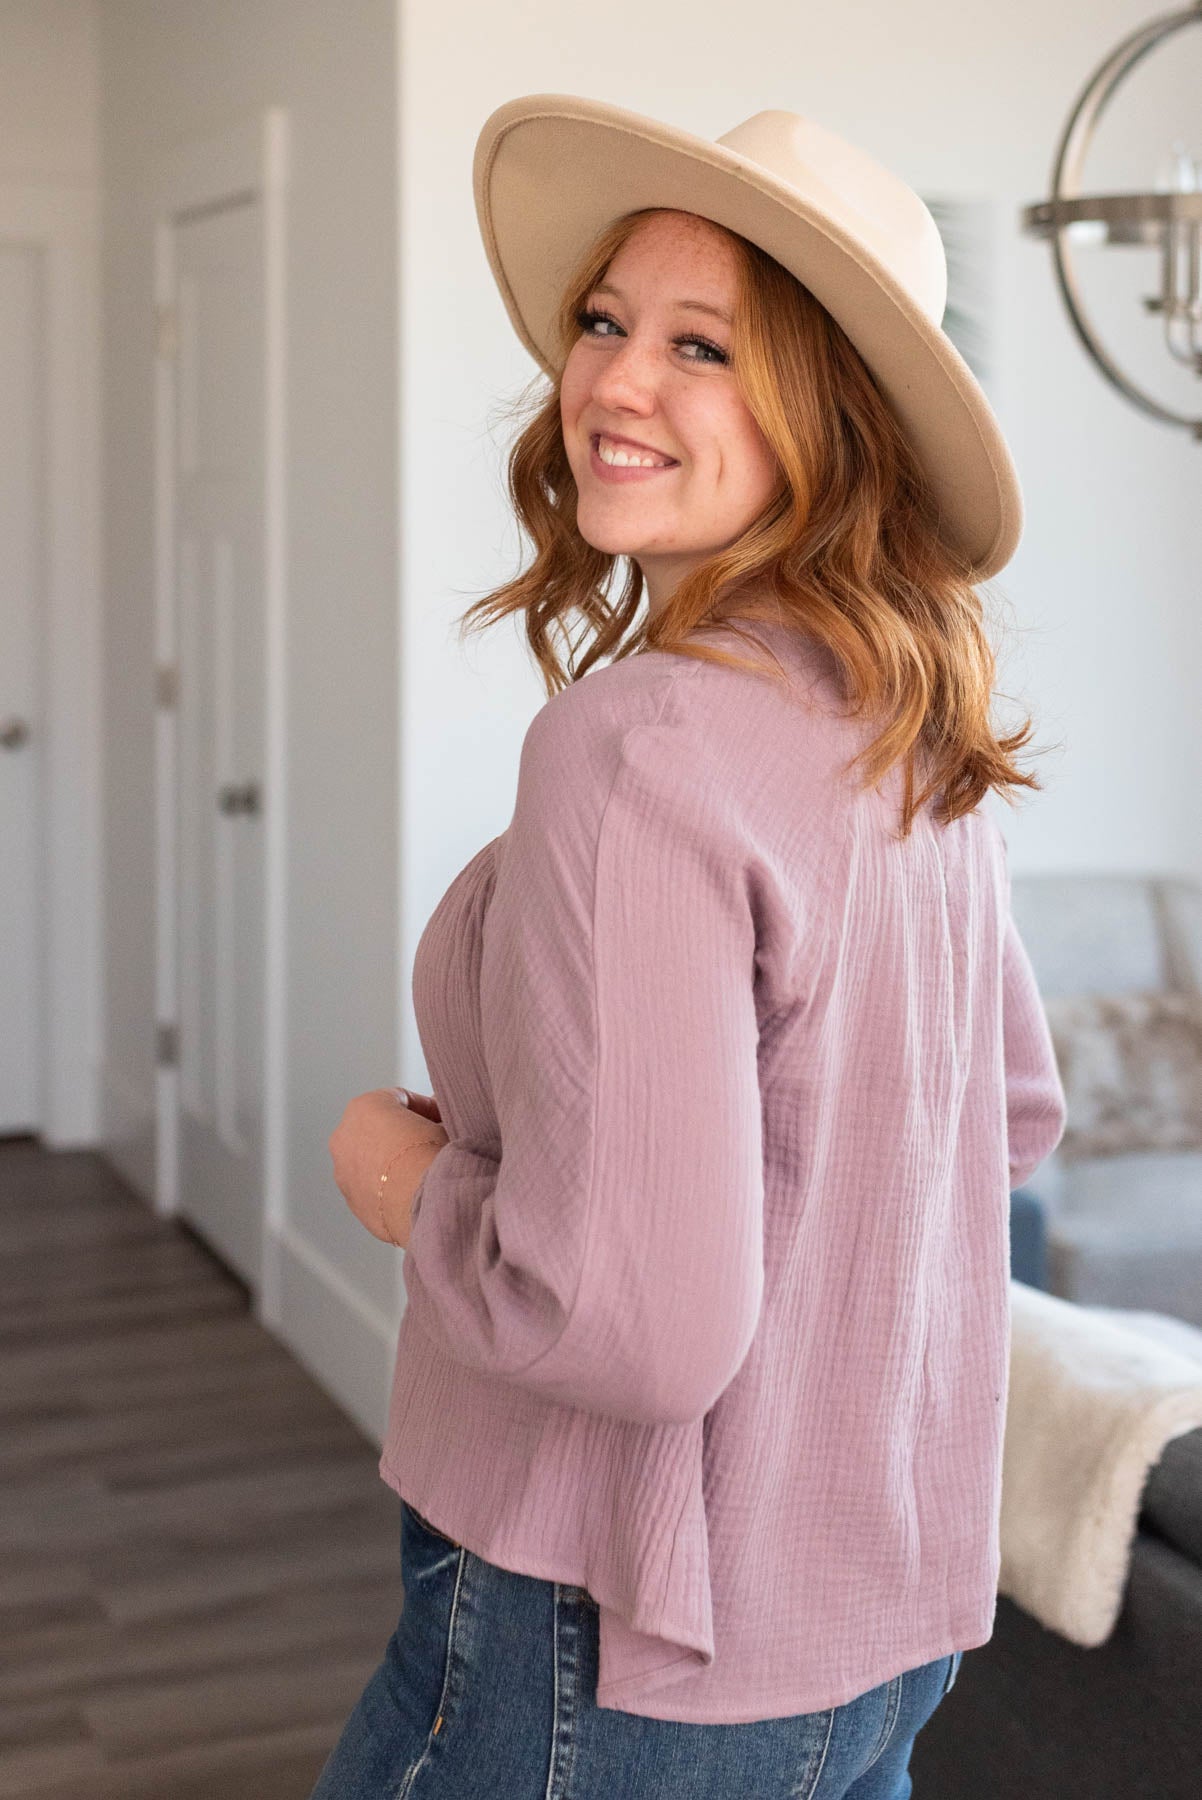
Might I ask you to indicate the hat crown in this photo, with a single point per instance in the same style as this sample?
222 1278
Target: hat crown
866 199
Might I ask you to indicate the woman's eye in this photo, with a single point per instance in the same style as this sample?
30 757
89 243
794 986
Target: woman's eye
713 350
586 320
590 317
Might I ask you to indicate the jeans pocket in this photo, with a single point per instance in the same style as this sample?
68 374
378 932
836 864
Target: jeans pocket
953 1669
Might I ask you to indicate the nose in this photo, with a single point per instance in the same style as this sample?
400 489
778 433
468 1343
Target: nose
627 378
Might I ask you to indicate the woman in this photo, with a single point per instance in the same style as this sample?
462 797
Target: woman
700 1389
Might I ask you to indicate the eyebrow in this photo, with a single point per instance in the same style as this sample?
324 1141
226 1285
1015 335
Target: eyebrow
606 287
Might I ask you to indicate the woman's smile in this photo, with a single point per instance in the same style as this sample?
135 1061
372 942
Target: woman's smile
607 471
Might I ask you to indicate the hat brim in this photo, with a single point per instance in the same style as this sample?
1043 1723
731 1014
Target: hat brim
550 171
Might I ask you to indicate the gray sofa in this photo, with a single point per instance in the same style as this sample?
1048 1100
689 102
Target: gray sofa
1125 1229
1033 1716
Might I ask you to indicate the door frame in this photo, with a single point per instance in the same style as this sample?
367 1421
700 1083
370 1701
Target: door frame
62 221
250 161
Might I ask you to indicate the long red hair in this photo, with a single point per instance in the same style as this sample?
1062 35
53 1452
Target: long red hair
848 549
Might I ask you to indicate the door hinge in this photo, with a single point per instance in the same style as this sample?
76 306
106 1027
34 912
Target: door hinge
166 684
166 320
166 1049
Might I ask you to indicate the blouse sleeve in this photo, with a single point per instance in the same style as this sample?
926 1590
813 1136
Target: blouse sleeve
1036 1107
610 1256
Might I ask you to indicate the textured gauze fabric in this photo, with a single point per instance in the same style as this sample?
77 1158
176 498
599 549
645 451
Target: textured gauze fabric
707 1296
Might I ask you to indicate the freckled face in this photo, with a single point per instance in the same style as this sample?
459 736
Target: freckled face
649 367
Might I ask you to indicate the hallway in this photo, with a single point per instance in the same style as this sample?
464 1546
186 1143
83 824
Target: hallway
198 1561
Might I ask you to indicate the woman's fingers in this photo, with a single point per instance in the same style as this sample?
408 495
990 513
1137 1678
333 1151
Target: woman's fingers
425 1104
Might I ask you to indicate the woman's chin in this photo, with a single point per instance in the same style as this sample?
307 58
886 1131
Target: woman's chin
609 542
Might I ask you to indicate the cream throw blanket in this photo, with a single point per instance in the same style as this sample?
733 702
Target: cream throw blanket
1095 1395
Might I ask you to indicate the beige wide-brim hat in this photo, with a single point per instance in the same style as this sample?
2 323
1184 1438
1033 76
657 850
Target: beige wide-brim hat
552 170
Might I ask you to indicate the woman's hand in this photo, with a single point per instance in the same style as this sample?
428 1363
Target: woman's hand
373 1128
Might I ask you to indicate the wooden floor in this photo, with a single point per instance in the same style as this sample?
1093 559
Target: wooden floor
198 1559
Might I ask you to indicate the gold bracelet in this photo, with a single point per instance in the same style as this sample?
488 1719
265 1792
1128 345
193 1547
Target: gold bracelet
403 1151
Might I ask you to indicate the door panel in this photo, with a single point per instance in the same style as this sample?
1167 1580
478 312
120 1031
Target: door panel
219 508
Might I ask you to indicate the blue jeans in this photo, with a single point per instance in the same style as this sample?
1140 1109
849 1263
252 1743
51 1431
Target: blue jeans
488 1688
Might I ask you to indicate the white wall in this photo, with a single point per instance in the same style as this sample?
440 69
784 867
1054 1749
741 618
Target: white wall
172 73
49 103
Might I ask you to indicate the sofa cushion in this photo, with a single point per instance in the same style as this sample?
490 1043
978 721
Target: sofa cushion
1172 1500
1131 1065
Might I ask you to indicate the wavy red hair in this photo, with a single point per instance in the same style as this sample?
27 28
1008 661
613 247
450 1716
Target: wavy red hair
848 549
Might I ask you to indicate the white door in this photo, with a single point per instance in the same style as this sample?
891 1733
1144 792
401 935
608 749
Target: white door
219 502
22 602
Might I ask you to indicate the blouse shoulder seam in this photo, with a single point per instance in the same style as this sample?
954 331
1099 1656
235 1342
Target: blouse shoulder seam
594 1103
670 684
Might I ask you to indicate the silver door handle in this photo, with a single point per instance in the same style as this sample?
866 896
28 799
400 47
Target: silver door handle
13 733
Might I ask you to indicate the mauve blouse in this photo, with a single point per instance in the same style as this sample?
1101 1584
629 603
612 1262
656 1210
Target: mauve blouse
708 1293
